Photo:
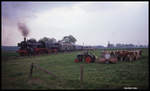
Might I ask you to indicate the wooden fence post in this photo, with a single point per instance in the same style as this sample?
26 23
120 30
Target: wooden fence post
31 69
40 68
81 75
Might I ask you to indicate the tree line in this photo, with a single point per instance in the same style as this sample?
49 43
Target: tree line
66 39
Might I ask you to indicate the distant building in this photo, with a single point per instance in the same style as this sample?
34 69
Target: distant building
110 45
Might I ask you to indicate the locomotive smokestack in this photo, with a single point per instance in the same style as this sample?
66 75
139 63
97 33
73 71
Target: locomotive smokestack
24 39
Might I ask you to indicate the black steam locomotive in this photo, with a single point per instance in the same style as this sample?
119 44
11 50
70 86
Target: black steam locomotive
34 48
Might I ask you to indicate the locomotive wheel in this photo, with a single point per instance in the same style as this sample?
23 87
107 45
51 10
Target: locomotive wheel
88 59
46 52
76 60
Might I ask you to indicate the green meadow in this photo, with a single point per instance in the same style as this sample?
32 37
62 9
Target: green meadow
15 72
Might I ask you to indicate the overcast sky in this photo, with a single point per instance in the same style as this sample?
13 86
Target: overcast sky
91 23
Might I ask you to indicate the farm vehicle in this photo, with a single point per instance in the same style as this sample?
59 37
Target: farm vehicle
119 55
85 57
109 56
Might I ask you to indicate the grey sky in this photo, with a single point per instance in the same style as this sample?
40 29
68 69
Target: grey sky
94 23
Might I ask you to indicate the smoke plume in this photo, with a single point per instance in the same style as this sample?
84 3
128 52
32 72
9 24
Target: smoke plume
23 28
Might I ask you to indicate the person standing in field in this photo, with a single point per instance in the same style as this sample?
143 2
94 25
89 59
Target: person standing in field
107 56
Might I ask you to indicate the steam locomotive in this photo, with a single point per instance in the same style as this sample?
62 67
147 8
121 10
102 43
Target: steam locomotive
34 48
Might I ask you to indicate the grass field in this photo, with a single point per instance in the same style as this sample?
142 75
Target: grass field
15 72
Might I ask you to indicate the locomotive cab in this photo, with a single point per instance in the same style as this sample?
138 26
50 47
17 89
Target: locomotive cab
23 48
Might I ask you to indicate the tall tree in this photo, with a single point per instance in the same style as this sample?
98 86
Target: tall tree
46 39
69 39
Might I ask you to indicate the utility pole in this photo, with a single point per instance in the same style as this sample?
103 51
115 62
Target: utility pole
83 46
